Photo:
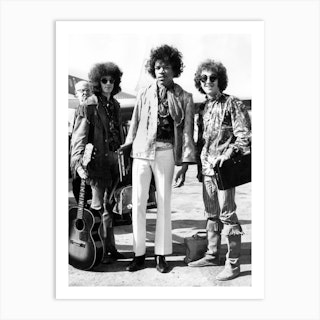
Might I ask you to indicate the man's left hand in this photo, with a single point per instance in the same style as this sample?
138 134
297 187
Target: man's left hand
220 159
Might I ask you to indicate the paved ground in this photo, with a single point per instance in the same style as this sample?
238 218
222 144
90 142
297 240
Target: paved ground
187 219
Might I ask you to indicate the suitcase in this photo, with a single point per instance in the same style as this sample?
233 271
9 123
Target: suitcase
196 246
124 161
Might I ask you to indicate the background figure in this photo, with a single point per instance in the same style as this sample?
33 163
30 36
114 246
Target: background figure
99 122
82 92
161 131
224 130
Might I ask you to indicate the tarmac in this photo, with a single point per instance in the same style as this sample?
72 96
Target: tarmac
187 219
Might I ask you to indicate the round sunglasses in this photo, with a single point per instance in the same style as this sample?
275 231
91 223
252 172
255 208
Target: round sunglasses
204 78
104 81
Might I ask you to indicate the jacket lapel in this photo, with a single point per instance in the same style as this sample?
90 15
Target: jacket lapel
103 118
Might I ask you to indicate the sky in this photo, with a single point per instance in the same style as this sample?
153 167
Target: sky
131 51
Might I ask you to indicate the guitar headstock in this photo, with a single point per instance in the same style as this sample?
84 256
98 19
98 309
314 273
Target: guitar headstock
87 154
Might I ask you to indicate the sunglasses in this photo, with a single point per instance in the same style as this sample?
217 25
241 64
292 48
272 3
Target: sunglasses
104 81
204 78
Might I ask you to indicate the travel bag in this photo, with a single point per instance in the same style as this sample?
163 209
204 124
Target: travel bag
196 246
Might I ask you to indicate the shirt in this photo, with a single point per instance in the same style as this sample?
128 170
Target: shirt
113 129
165 122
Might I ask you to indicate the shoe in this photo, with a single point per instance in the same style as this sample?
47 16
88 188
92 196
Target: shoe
117 255
162 265
206 261
232 264
107 259
136 264
228 273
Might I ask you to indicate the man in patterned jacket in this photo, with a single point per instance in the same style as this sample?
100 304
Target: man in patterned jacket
224 129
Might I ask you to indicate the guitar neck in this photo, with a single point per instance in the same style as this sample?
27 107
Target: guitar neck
81 198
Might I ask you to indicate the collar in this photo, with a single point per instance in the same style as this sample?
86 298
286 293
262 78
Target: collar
216 97
105 102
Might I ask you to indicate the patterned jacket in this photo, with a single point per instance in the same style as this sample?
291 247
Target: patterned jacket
143 128
224 127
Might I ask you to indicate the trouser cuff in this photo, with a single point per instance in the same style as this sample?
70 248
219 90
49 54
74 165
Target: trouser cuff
214 225
232 230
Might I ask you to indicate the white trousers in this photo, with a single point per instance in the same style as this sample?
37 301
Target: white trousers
162 168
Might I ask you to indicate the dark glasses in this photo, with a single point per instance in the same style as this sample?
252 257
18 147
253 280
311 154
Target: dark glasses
104 80
204 78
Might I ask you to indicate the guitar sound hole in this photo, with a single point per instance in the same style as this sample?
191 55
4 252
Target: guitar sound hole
79 224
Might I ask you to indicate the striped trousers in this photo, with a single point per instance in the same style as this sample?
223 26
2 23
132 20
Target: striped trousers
219 205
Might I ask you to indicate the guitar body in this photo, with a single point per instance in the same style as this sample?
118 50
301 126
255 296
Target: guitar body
85 244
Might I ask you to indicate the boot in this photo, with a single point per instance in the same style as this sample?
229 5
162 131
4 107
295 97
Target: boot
232 266
211 257
136 264
161 264
111 252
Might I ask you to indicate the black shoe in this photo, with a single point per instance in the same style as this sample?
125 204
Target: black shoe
107 259
136 264
116 255
162 265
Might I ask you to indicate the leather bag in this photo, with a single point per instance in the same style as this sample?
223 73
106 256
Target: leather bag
196 246
233 172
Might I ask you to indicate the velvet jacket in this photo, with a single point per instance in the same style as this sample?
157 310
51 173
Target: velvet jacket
143 127
92 126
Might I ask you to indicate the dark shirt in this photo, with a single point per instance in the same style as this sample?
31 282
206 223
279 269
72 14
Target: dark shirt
165 125
113 125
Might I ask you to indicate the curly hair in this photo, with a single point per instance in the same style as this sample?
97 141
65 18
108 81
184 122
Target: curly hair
166 54
100 70
217 68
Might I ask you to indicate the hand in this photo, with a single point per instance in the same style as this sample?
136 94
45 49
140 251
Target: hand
82 173
180 176
200 177
220 159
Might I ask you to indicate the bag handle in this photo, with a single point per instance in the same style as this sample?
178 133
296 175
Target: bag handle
200 235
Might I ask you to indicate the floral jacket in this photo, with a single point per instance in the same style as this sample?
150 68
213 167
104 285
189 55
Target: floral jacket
92 126
143 128
224 127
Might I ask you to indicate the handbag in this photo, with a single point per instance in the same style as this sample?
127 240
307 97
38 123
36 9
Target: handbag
196 246
234 171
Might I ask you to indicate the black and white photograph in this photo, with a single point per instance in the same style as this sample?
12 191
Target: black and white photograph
159 159
160 144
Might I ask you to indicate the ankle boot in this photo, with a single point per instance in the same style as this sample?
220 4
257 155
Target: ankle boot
211 257
136 264
110 248
232 266
161 264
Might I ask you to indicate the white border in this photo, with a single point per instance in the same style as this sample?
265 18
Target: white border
253 28
27 48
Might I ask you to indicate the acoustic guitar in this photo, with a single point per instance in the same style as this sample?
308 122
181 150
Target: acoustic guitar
85 243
